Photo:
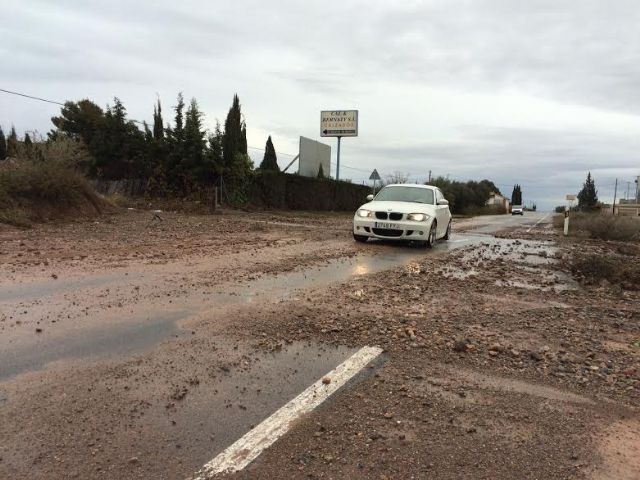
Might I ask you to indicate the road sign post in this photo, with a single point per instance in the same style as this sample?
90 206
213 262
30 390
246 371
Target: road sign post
374 176
338 123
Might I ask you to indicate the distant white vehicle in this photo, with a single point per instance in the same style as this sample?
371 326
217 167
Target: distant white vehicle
517 210
418 213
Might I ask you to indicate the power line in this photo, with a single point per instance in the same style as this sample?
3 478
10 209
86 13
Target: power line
31 97
54 102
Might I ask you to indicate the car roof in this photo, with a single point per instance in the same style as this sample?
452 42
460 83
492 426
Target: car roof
412 185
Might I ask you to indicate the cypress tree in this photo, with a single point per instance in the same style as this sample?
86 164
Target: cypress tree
158 130
194 143
27 141
12 143
3 145
214 152
588 196
516 195
270 160
178 129
321 172
233 134
243 139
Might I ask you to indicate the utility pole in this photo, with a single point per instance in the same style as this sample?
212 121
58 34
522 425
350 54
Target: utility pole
429 176
615 193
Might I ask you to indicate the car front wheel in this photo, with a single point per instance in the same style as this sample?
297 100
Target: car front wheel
431 241
448 234
360 238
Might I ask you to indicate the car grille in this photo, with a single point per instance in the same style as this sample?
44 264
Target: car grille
387 232
390 216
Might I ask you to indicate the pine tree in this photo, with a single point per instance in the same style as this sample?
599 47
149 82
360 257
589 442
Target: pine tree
588 196
158 130
3 145
27 141
12 143
270 161
321 172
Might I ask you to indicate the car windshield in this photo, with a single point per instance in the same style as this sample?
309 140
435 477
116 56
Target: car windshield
405 194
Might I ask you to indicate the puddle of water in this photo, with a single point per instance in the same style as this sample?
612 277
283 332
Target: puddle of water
225 409
125 338
37 290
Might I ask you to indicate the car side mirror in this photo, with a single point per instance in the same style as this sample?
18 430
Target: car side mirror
443 202
369 197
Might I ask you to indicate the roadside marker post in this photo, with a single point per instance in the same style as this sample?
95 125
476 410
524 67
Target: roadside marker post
570 198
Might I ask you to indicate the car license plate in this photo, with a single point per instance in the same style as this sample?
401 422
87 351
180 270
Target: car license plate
386 225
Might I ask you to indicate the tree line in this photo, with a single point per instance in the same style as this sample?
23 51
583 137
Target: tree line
174 157
465 197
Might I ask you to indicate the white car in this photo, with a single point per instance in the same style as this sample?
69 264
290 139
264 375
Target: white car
418 213
517 210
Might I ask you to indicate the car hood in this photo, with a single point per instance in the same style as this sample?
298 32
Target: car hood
401 207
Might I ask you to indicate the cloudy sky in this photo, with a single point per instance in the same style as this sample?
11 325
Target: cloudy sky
536 92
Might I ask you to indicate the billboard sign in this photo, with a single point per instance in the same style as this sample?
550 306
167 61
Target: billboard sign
339 123
312 155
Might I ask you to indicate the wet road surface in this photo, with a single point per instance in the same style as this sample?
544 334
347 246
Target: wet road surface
140 323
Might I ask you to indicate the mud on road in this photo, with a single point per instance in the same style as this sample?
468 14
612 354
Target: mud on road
497 363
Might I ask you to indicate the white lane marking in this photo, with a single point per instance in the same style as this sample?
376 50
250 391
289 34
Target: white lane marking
241 453
536 224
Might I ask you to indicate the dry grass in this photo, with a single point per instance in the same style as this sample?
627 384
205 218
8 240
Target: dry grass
599 226
39 191
593 268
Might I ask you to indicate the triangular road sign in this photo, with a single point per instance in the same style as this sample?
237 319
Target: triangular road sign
374 175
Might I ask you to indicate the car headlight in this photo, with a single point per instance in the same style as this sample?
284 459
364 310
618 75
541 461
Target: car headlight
365 213
418 217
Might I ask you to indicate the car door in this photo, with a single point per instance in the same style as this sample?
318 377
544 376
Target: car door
442 215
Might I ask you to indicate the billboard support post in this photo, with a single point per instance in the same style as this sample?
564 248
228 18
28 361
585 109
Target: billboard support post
338 160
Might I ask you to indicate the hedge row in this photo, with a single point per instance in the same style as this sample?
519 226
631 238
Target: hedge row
295 192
